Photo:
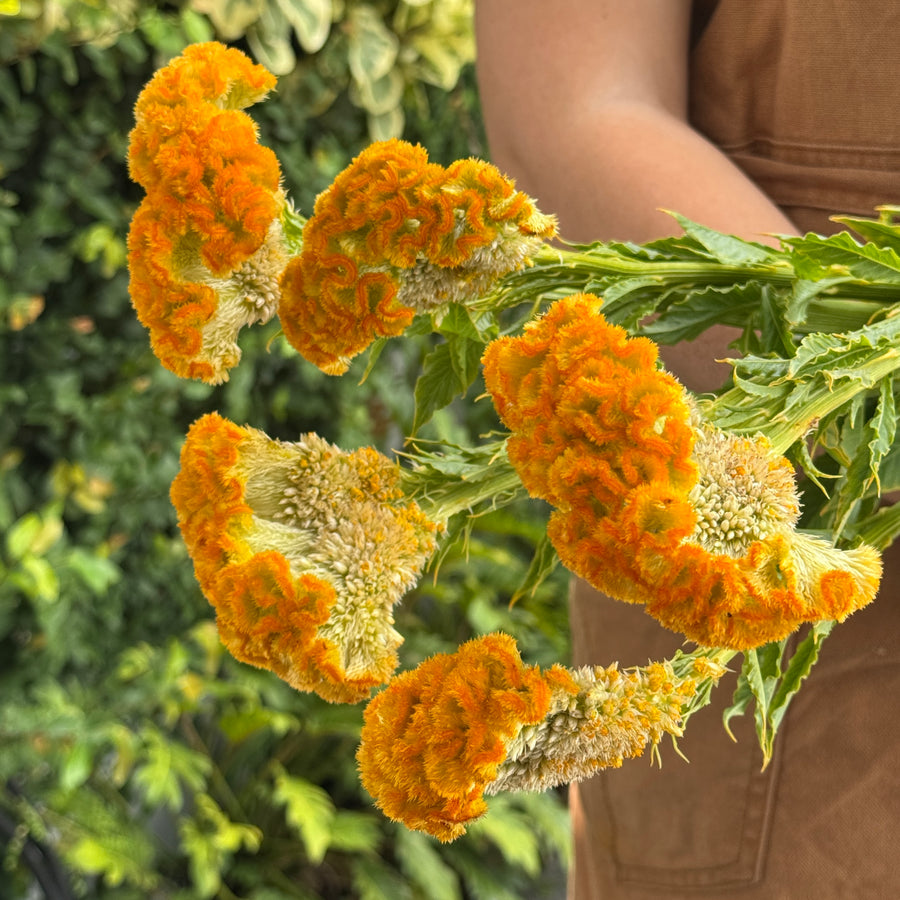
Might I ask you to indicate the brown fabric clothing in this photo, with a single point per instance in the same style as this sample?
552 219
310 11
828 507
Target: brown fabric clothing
799 95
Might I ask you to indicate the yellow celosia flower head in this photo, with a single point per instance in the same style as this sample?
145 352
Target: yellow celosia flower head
653 506
206 249
478 721
395 235
303 550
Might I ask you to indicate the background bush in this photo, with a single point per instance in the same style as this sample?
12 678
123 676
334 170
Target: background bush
137 759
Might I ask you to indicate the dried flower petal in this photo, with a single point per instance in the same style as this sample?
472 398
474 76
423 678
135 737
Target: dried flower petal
303 550
654 506
396 235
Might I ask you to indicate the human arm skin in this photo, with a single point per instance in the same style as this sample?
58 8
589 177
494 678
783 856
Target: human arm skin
585 105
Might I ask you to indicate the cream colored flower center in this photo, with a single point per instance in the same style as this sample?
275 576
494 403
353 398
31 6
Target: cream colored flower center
744 492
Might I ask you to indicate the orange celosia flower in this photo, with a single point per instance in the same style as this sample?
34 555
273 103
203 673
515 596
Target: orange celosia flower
205 248
396 235
435 738
652 505
303 550
477 722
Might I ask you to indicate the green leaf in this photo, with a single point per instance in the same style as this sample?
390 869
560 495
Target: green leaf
118 858
355 832
77 766
37 578
882 231
702 308
505 827
544 563
231 18
165 765
375 880
879 530
371 47
270 40
386 125
23 534
725 248
311 21
437 386
801 662
379 96
421 862
816 257
770 685
308 810
97 572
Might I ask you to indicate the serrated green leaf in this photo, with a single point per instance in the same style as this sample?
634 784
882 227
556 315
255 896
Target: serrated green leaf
702 308
883 232
762 669
800 665
816 257
309 810
803 292
725 248
166 765
437 386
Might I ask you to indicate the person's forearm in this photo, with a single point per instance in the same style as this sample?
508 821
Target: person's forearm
608 171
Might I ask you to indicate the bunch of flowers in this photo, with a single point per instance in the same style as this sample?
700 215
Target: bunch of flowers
689 508
653 505
206 247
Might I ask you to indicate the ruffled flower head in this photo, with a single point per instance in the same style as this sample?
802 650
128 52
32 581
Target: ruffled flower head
396 235
654 506
478 721
303 549
206 248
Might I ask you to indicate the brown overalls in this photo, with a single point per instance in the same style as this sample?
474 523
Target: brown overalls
803 96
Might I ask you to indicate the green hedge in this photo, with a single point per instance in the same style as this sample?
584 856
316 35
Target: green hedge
136 758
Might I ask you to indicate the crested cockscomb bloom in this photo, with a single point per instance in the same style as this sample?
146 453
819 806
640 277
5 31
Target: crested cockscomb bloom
206 247
396 235
654 506
303 549
464 725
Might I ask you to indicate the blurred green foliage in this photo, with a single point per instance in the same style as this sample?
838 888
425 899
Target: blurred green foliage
138 760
